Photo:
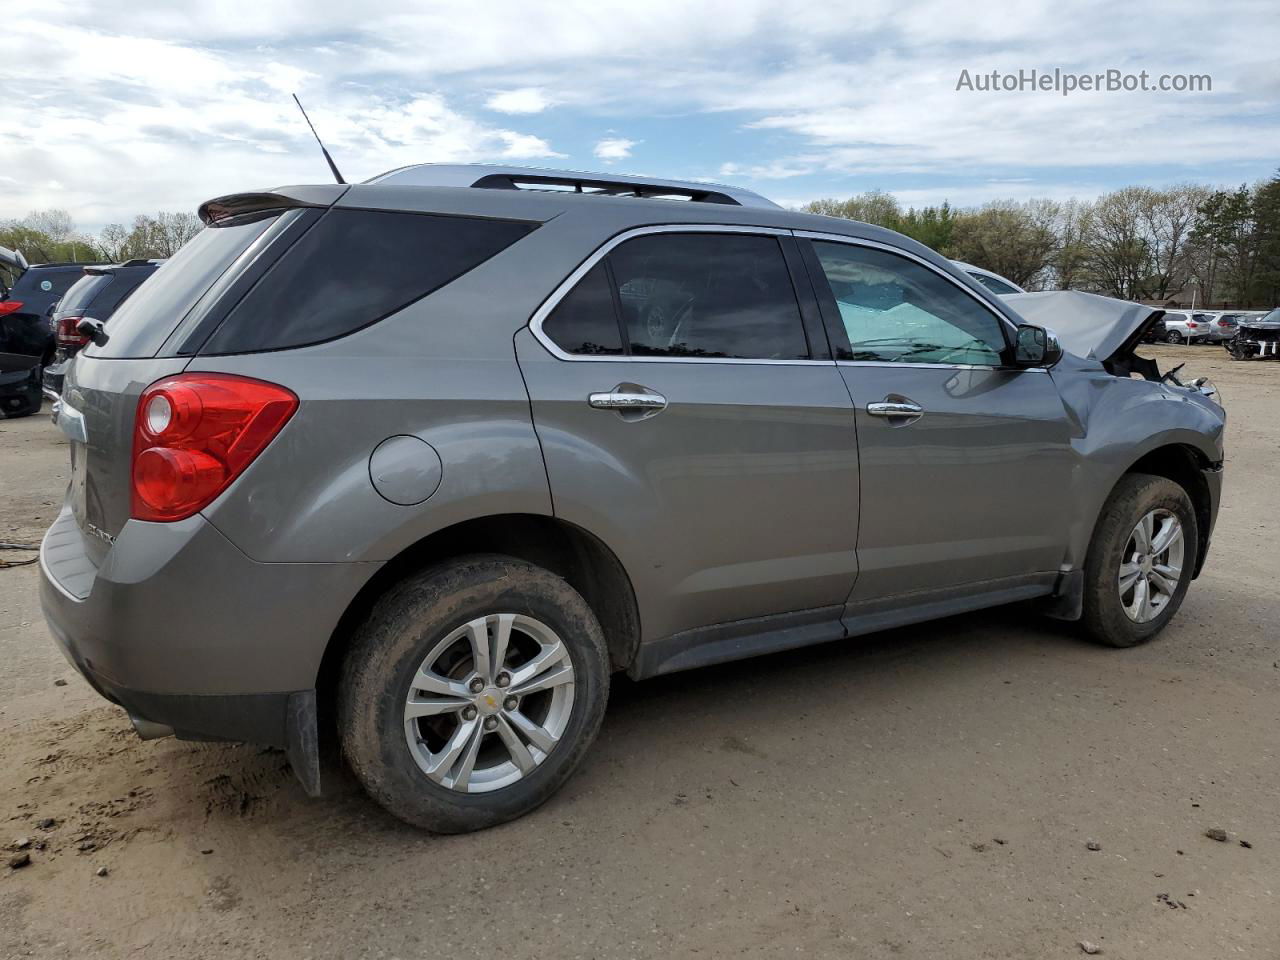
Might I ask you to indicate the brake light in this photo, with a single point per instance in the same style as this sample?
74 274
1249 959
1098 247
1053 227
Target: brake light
67 335
9 306
1192 324
195 433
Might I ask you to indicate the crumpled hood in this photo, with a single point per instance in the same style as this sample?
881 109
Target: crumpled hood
1087 325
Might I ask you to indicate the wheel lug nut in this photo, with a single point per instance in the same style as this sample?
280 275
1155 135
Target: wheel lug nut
476 685
510 703
469 713
504 679
491 723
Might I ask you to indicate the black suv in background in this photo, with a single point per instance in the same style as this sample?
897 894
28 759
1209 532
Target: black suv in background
97 294
26 341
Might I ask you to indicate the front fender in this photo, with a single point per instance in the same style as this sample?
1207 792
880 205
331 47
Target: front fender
1116 423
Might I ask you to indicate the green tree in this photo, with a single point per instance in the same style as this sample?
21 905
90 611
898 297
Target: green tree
1015 240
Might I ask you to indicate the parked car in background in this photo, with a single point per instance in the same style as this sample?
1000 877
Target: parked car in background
26 342
1002 286
1256 338
1154 332
436 454
97 295
1223 326
1181 327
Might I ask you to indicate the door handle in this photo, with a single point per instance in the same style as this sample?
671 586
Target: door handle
899 411
631 401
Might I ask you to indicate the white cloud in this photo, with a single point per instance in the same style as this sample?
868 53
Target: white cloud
521 100
185 100
614 148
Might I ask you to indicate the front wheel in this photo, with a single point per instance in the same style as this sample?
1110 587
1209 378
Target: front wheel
472 692
1140 561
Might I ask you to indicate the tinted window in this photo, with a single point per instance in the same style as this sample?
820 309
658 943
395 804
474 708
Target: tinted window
708 295
83 292
32 282
355 267
143 321
897 310
584 321
1176 317
108 301
992 284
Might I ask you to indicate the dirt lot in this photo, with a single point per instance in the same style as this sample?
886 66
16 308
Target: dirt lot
927 793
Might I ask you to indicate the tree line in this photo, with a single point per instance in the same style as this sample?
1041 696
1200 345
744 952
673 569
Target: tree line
1136 243
50 236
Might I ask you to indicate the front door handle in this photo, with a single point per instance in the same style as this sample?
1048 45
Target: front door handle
631 401
899 411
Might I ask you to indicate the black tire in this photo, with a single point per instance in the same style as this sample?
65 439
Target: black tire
404 626
1135 495
1173 336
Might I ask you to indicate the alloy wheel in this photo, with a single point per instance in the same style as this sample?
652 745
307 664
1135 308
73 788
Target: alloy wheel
489 703
1151 565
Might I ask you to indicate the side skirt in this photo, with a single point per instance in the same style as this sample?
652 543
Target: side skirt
739 639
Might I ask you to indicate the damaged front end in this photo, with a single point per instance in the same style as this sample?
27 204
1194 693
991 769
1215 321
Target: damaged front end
1103 329
1256 339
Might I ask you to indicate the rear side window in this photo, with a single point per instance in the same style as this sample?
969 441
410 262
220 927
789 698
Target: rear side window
584 322
47 283
146 319
686 295
353 268
83 292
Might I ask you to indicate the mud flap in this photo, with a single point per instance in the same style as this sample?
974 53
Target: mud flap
1067 600
301 744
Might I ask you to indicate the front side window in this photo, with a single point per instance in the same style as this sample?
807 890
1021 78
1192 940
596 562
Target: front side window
699 295
898 311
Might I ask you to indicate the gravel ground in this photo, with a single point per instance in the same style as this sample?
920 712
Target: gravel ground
936 791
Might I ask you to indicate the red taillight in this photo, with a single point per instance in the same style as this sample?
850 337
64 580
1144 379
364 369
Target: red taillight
195 433
67 334
10 306
1192 324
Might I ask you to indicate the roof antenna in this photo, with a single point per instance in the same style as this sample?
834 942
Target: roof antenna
332 166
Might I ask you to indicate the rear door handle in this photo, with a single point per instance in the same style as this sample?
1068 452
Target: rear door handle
631 401
899 411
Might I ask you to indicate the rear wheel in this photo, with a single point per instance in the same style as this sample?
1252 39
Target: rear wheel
1173 336
1140 561
472 692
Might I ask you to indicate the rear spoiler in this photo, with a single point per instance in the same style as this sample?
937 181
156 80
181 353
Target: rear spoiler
219 210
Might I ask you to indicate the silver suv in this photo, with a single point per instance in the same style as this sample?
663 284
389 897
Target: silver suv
427 459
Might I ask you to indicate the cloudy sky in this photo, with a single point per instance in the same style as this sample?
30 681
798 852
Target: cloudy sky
109 110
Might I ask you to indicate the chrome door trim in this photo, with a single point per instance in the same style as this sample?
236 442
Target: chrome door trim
914 365
559 293
627 400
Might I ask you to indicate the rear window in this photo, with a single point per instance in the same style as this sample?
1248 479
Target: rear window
82 293
353 268
146 319
52 283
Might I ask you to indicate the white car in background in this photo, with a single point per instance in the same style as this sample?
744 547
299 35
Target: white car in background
997 284
1182 326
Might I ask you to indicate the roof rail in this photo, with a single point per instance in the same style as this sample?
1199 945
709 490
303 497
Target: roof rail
492 177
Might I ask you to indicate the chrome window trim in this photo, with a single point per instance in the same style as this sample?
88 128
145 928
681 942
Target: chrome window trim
561 291
890 364
1010 326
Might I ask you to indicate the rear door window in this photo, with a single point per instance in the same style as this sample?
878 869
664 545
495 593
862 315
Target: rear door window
694 295
353 268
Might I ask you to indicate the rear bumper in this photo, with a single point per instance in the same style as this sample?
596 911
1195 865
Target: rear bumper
183 630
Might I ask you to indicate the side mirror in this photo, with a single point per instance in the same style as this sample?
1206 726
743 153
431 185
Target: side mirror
1036 347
